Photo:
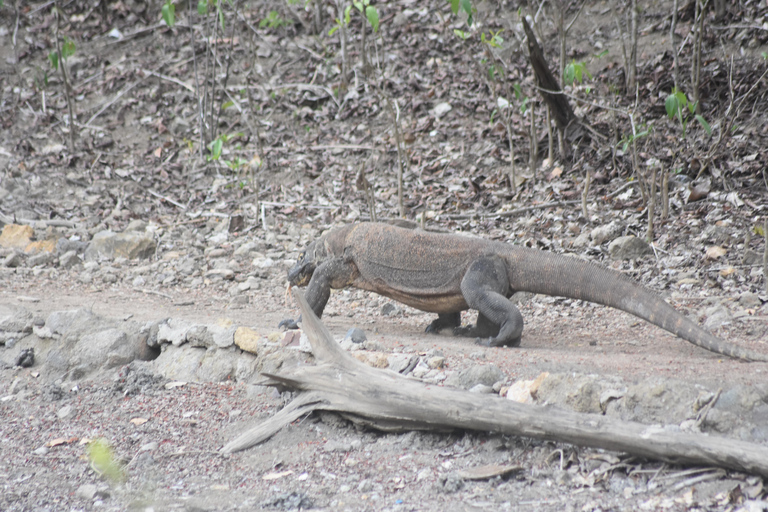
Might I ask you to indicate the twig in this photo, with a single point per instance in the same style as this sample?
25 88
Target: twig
153 292
166 198
113 101
171 79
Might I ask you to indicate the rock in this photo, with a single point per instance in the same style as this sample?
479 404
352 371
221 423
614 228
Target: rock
356 335
16 236
402 363
247 339
751 257
481 374
69 259
481 388
389 309
628 248
109 245
75 323
86 492
107 349
217 366
175 331
13 260
436 362
441 109
581 241
607 232
65 412
40 246
26 358
15 319
180 363
717 316
220 273
750 300
137 225
40 259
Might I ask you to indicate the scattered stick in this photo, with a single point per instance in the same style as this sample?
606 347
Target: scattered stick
389 401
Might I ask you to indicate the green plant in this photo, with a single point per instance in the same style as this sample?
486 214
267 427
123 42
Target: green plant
168 12
104 462
678 106
463 5
217 145
626 140
574 72
274 20
369 12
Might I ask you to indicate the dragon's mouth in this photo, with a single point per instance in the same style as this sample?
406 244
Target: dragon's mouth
301 273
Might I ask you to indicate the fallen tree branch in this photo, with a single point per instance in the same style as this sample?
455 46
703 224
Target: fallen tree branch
388 400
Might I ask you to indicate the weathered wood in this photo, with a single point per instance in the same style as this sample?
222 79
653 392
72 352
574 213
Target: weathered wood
343 384
549 88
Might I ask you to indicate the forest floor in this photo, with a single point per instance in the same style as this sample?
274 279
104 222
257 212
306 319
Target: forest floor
296 143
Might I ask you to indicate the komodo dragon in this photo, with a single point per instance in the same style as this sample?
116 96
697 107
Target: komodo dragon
446 274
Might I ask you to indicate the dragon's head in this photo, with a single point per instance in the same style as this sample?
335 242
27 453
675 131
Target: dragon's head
309 258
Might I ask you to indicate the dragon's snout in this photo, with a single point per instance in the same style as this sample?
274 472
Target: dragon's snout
301 273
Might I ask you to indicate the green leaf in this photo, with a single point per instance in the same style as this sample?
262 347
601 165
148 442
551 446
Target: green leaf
569 74
703 122
68 48
602 54
227 105
54 58
463 35
373 17
672 106
759 230
358 6
454 6
215 147
221 17
169 13
518 91
202 7
334 29
346 14
466 6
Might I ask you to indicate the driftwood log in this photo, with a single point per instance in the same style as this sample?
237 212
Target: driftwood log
390 401
549 88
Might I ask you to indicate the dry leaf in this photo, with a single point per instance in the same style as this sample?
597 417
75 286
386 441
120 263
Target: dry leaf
60 440
727 271
276 476
715 252
139 421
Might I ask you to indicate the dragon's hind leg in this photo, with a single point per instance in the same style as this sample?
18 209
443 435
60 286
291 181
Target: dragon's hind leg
485 288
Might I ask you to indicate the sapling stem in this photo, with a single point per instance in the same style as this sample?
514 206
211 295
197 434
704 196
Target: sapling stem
584 192
651 206
67 87
664 193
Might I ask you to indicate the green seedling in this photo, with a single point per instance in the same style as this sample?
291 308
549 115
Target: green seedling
678 106
626 140
169 13
217 145
574 72
104 462
370 13
463 5
67 50
274 20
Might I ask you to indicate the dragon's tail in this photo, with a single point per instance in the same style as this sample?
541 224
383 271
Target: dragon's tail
557 275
